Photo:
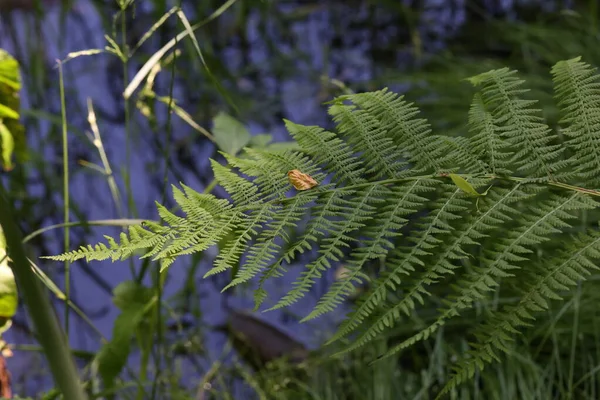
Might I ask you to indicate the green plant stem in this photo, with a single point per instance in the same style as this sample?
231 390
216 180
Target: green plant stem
83 354
126 172
65 149
45 324
159 331
103 222
392 181
130 201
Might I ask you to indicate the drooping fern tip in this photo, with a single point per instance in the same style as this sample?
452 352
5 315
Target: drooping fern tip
460 217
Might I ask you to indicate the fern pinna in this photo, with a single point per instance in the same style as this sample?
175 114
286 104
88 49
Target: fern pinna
459 213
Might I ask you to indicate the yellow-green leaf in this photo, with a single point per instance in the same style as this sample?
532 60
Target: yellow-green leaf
8 146
8 288
464 185
6 112
12 132
9 71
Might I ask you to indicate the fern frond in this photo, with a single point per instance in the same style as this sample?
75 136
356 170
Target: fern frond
382 229
241 190
355 213
549 217
412 135
577 87
486 143
207 221
436 212
365 134
199 208
475 228
265 248
328 150
520 124
463 157
267 168
329 205
544 283
245 230
140 237
403 261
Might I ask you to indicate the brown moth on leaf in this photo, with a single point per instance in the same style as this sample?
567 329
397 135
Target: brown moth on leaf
301 181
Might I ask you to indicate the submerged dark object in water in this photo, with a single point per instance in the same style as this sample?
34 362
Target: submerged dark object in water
260 342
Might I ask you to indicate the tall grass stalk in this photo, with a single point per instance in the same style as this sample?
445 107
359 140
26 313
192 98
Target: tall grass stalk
46 325
67 231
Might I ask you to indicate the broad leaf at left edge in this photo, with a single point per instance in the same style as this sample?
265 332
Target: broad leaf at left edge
8 288
9 71
12 132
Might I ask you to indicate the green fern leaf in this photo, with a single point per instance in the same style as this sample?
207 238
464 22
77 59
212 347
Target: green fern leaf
434 214
577 89
545 283
380 233
519 125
